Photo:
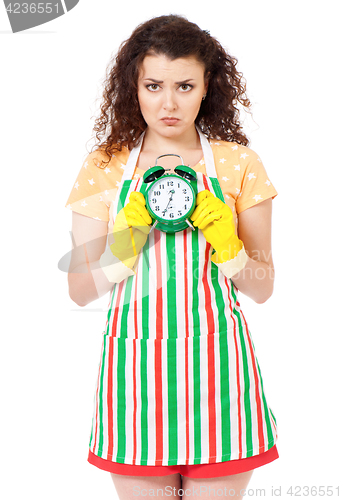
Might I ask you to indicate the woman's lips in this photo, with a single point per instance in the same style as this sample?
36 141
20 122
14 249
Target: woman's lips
169 120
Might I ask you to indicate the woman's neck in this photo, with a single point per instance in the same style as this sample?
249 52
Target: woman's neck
161 144
153 146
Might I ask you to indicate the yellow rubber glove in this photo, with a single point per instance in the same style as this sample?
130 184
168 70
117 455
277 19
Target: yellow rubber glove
131 229
214 218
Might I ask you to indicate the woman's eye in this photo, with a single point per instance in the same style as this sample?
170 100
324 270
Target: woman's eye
185 87
153 87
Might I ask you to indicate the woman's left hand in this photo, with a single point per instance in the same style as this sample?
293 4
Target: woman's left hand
214 218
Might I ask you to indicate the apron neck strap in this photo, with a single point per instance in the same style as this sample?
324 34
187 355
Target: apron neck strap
208 154
132 161
206 149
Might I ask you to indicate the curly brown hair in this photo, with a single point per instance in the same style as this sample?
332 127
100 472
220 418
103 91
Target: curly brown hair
121 122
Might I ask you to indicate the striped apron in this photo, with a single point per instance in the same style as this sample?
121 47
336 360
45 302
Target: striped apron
178 382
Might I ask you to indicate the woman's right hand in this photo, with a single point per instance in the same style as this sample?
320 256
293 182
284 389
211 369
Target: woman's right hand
131 228
94 268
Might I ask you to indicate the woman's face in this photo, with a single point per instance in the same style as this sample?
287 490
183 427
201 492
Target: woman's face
170 94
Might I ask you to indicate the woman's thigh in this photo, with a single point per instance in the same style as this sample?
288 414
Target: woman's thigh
137 487
213 487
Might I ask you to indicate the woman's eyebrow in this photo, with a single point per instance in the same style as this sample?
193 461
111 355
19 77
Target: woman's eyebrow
153 80
161 81
184 81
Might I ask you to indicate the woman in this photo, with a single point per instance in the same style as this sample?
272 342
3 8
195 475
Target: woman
179 401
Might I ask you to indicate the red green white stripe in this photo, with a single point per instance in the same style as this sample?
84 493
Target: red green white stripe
179 382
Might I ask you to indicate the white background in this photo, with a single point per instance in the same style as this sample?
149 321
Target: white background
290 54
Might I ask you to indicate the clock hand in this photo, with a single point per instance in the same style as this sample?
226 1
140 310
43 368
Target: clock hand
164 211
170 199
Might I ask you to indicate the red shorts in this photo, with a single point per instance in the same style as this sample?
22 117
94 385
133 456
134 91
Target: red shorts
201 471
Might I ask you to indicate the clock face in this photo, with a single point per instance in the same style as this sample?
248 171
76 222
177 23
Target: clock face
171 198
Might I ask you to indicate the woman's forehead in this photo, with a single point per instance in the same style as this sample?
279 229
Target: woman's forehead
164 65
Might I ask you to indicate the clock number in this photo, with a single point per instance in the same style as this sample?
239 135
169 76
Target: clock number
186 198
185 207
157 208
161 186
184 191
171 215
170 183
179 213
157 193
154 200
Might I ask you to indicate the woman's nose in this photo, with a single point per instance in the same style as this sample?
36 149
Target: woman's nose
169 103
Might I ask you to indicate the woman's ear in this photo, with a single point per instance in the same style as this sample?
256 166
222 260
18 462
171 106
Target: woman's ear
207 80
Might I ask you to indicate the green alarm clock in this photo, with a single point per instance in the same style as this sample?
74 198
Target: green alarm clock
170 197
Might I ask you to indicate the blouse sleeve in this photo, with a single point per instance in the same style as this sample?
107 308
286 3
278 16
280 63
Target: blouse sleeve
255 184
89 193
